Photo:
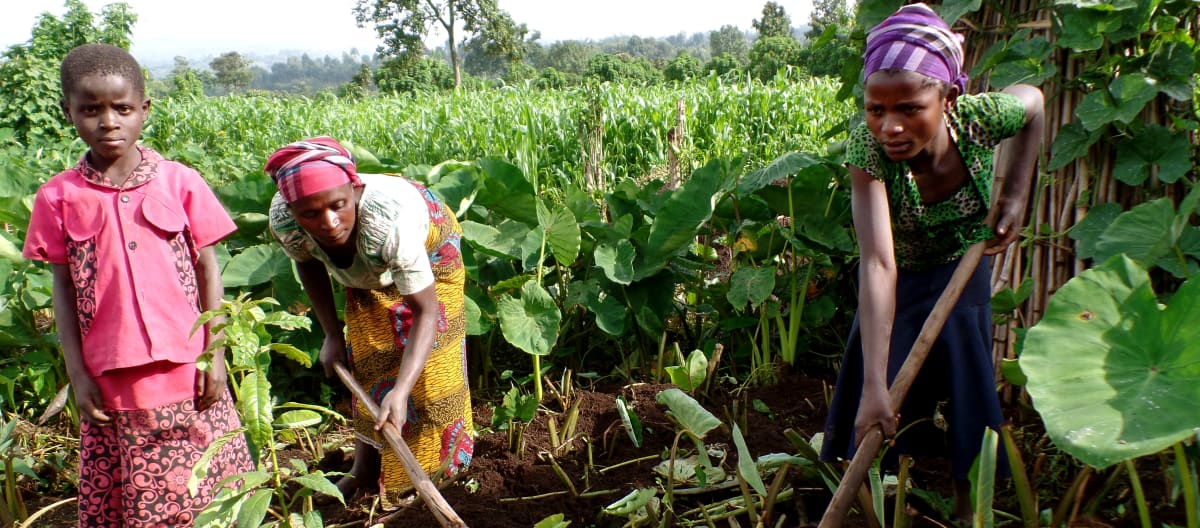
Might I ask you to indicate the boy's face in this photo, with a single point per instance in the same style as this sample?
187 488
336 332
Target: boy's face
904 112
108 114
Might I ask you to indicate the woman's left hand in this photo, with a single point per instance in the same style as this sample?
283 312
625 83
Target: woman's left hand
1010 218
394 409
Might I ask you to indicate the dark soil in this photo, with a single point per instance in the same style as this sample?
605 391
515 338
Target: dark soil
504 489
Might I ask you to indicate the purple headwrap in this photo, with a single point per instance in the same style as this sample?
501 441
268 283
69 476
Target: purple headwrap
914 38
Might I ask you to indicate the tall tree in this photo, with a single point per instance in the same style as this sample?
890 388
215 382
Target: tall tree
29 86
731 40
403 25
774 22
828 13
233 71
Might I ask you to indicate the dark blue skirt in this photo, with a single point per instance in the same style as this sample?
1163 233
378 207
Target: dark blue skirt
957 379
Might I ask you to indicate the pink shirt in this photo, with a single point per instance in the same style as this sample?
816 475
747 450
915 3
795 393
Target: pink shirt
132 252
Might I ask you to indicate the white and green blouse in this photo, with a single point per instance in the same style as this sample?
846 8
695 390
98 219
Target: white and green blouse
393 225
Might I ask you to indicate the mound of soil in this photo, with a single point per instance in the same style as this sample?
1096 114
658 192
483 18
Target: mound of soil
504 489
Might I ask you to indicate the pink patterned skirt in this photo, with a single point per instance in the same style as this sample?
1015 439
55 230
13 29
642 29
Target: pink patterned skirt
134 471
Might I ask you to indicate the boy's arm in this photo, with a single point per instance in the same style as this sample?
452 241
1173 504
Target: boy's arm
87 393
210 383
1015 167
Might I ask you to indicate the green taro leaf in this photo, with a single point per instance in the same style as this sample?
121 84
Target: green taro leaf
1114 374
256 265
616 260
1153 146
503 240
750 285
747 468
299 418
633 426
1144 233
680 218
530 322
634 501
507 192
477 324
610 313
782 167
553 521
688 412
690 375
561 231
1087 231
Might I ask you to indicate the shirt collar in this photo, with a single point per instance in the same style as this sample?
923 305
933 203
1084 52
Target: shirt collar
144 172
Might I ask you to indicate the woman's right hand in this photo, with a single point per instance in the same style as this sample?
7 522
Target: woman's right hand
90 401
875 408
333 351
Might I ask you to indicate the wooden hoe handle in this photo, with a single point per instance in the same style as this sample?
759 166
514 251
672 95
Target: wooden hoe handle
425 488
835 514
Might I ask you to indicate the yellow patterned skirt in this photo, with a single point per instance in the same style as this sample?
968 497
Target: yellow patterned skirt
439 430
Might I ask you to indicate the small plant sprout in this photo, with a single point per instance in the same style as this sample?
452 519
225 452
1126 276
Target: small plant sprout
513 415
630 421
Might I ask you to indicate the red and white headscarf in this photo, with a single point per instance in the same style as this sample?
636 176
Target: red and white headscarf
310 166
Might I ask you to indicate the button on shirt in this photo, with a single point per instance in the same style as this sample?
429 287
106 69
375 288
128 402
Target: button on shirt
131 250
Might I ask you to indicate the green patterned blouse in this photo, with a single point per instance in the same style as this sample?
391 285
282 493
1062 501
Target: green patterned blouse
929 234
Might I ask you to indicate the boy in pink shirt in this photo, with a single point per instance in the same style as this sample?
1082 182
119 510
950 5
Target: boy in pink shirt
130 238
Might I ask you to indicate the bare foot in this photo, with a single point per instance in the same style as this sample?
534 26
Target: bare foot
364 473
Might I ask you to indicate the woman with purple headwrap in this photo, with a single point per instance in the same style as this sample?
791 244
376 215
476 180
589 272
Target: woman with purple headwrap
922 168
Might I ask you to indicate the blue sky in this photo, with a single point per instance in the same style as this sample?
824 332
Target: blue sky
167 28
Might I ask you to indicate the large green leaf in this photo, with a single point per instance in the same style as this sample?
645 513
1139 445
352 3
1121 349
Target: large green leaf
256 265
562 232
1153 146
502 240
690 375
507 192
254 510
747 468
750 285
1073 141
530 322
1114 374
952 10
1083 29
779 168
1087 231
687 412
1123 101
254 404
8 249
616 260
680 218
1025 61
1144 233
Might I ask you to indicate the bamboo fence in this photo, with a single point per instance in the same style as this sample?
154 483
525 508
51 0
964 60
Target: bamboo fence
1063 197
